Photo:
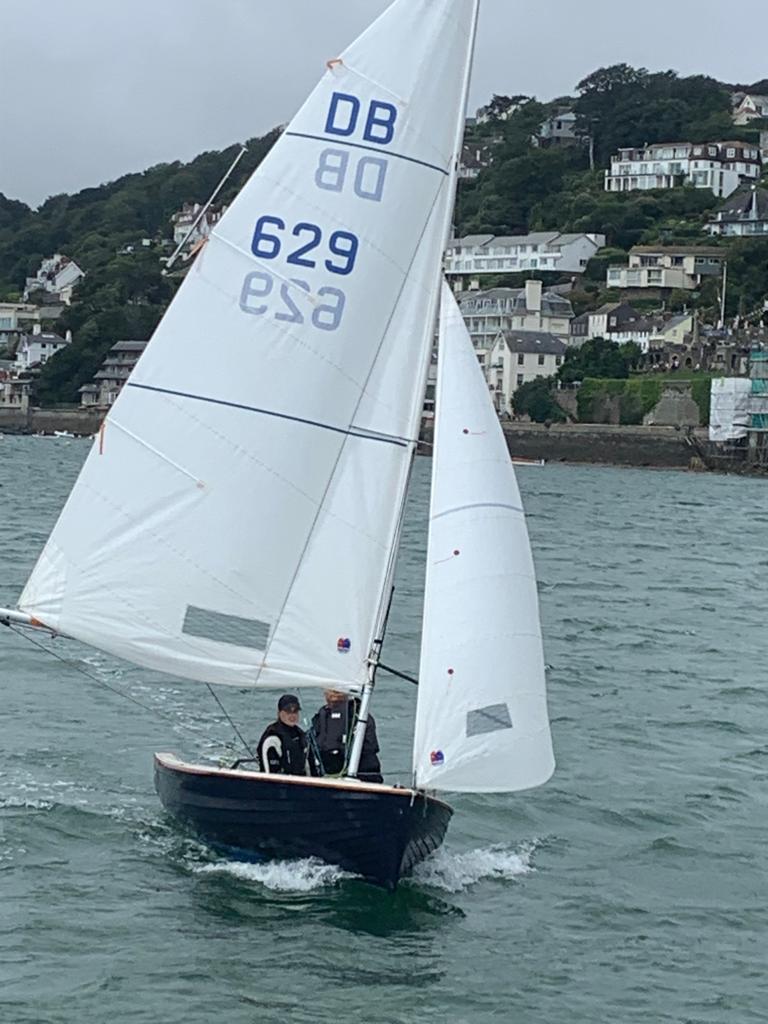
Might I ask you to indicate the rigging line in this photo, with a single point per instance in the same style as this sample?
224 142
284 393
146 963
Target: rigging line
226 715
100 682
400 675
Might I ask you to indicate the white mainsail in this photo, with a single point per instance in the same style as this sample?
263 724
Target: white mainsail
236 521
481 719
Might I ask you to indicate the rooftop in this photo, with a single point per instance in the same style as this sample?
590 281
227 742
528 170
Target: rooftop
537 342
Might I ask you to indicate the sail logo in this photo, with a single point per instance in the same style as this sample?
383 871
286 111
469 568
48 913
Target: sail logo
343 645
437 757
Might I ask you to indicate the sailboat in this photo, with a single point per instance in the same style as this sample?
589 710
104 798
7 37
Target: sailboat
237 520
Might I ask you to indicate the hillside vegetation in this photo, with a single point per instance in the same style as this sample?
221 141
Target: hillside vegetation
525 188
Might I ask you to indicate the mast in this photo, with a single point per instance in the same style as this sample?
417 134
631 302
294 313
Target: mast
378 636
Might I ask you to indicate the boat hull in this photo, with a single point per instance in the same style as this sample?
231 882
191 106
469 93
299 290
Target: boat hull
378 832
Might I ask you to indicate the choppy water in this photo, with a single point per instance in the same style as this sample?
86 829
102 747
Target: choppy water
631 888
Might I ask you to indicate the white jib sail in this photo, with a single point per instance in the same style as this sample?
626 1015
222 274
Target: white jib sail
235 523
481 720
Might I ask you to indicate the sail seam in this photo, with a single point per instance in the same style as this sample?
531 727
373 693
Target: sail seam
477 504
369 149
385 438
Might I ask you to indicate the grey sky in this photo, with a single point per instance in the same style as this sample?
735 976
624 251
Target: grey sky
95 88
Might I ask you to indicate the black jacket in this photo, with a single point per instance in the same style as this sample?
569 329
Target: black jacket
284 750
332 727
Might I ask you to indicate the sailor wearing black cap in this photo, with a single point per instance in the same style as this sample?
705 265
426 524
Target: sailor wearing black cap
283 748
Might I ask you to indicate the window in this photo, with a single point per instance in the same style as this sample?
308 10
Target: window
558 360
520 358
541 360
730 152
519 379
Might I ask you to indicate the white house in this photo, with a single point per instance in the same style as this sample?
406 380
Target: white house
506 309
719 167
184 218
476 255
750 108
518 357
666 267
57 275
36 349
744 213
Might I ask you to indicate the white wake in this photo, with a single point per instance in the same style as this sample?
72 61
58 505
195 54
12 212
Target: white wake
454 872
279 875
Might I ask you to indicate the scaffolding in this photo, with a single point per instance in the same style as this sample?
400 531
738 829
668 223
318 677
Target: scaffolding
758 420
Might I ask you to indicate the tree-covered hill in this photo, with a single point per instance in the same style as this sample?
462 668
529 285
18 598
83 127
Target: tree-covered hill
527 187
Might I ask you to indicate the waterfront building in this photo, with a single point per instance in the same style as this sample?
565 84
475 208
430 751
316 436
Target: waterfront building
15 392
666 267
720 167
115 370
518 357
506 309
745 214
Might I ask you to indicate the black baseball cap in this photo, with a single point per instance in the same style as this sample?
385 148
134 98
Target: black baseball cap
288 703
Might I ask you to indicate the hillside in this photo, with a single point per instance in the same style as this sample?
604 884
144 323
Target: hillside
526 188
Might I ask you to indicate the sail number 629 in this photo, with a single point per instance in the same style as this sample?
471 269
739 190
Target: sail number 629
325 315
268 241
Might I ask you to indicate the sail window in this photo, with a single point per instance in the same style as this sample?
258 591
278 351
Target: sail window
225 629
488 719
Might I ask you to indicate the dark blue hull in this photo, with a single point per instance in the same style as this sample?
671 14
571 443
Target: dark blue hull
376 831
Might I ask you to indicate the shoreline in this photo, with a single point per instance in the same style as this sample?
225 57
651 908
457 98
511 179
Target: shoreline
646 447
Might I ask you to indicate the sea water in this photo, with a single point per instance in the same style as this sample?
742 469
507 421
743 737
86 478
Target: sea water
631 888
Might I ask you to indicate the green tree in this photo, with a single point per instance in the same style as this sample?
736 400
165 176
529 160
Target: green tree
536 399
597 357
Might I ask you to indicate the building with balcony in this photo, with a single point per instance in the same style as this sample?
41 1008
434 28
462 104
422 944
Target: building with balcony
471 257
514 309
666 267
720 167
115 371
558 130
744 214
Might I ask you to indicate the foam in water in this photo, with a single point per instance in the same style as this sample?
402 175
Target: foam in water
454 872
279 875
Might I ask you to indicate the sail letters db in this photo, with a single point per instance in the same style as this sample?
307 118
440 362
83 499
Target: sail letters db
344 117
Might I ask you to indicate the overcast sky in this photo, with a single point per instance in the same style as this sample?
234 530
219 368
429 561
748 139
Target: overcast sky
92 89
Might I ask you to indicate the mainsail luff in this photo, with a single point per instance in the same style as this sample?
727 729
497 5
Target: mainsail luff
481 718
237 527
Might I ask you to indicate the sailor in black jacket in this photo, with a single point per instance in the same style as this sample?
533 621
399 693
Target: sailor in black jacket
332 727
283 748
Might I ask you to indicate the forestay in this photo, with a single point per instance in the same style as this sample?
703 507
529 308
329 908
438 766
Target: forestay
235 522
481 721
